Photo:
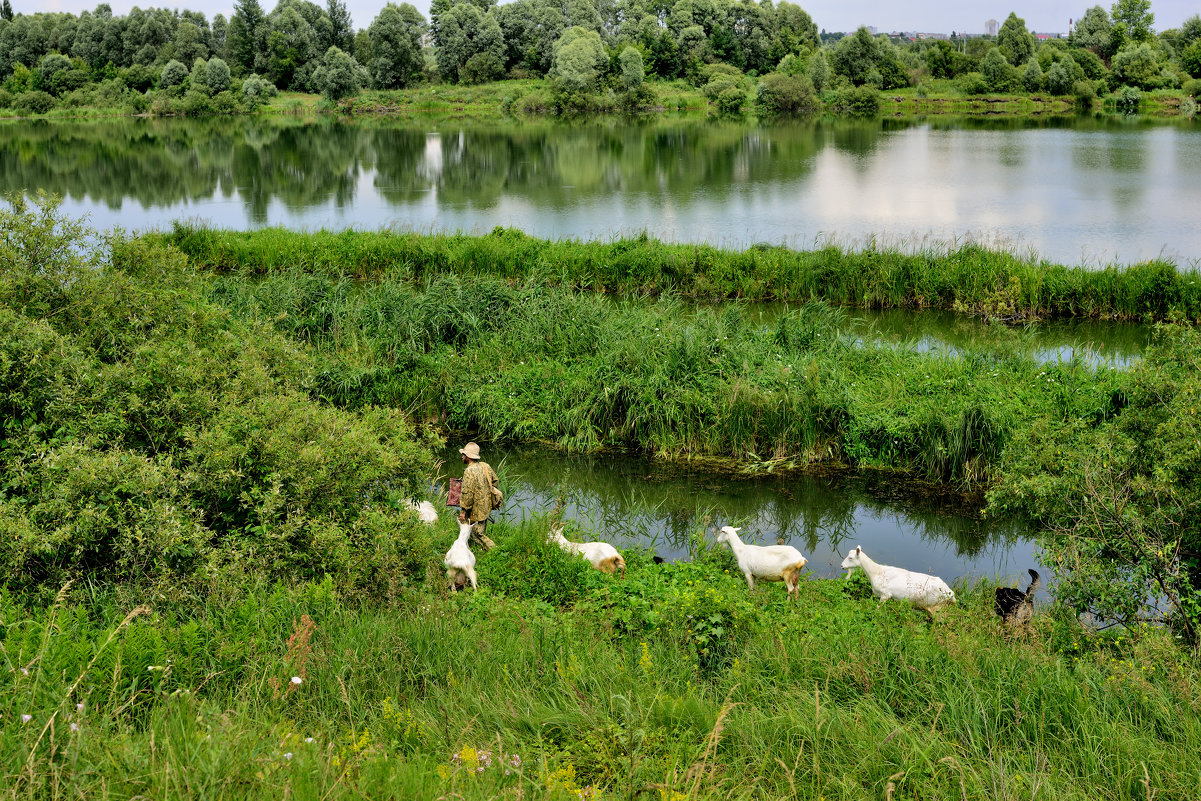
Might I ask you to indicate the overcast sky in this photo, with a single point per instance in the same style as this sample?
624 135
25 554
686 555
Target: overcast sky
934 16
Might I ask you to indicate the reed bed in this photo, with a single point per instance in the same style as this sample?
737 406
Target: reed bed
675 683
969 278
536 362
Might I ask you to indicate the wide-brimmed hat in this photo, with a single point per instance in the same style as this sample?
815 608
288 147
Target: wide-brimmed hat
471 451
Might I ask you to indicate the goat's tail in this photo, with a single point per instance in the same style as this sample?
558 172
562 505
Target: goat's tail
1035 582
620 564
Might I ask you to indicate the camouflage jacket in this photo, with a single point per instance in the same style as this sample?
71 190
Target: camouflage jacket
476 500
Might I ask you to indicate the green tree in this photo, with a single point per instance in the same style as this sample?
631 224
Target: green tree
855 56
1014 41
1094 31
632 71
819 70
395 49
199 78
1135 17
1190 59
341 33
1059 79
338 75
1138 65
173 75
465 31
579 61
217 75
189 43
998 72
220 36
1032 76
247 37
291 45
6 11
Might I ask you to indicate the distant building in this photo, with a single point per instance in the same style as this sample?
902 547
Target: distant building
991 27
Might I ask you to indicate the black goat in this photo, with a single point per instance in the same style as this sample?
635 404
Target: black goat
1017 606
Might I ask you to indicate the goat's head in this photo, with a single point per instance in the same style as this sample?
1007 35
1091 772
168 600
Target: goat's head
465 529
727 534
852 559
555 534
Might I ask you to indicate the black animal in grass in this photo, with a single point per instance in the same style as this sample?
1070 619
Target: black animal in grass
1015 606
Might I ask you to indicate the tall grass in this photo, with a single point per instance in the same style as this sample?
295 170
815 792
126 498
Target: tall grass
529 361
607 693
970 278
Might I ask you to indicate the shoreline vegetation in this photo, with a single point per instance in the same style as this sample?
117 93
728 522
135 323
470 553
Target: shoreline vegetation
532 58
213 582
991 284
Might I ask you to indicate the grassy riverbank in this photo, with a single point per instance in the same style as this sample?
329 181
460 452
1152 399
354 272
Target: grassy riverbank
557 682
968 278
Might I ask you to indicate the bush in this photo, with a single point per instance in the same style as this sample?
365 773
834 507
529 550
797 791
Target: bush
972 83
1192 88
257 90
6 98
1128 99
481 68
730 100
1085 93
36 102
860 101
138 77
224 103
197 102
174 74
786 94
217 75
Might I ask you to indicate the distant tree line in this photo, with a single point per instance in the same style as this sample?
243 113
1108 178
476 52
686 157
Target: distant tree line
159 59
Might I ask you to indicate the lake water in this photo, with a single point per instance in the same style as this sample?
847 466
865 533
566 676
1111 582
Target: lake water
1073 190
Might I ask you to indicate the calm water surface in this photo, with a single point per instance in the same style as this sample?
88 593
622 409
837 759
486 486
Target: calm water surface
1076 190
629 500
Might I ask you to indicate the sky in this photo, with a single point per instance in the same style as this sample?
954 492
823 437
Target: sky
927 16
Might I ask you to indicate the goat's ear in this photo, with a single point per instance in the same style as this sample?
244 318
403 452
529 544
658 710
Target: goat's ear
858 550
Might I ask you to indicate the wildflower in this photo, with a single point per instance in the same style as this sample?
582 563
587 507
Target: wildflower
288 755
79 707
24 671
74 727
26 718
297 681
308 739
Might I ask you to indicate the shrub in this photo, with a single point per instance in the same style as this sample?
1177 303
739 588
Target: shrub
174 74
224 103
858 101
1192 88
1032 76
6 98
338 76
257 90
1128 99
972 83
36 102
1059 79
138 77
730 100
1085 93
786 94
197 102
217 75
481 68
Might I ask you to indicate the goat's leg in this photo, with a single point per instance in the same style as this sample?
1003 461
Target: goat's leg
471 577
750 580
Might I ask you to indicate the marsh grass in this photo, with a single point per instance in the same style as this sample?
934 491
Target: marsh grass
510 693
527 360
969 278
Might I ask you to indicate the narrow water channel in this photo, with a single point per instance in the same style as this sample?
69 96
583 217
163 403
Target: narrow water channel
635 501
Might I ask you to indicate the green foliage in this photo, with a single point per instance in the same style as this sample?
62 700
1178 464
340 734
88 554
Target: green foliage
785 94
1059 79
35 102
861 101
257 90
1128 99
462 32
1113 498
395 49
973 83
1014 41
1190 60
998 73
525 565
152 440
578 62
1138 66
1094 31
338 76
632 72
217 77
173 75
1085 93
1135 19
1032 77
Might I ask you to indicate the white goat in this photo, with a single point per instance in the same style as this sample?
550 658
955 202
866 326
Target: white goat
603 556
767 562
460 561
425 510
923 591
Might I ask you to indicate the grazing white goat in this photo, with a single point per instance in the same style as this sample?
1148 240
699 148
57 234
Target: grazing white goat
603 556
425 510
767 562
923 591
460 561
